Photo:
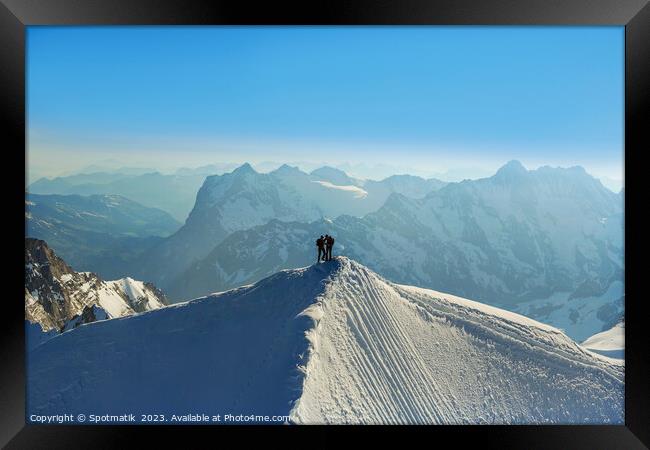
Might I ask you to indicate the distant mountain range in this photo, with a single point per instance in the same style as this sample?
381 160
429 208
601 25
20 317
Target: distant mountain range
245 198
547 243
518 239
174 194
111 214
100 233
58 299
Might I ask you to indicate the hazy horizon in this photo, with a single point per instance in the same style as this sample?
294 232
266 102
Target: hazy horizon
376 172
423 100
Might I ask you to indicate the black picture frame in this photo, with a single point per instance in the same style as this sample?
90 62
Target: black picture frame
15 15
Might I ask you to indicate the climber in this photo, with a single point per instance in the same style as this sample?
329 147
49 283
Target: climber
320 243
329 243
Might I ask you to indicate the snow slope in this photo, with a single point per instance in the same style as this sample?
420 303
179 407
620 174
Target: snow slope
609 342
140 296
329 343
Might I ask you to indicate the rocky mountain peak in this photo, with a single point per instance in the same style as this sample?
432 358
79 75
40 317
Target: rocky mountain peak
55 294
38 254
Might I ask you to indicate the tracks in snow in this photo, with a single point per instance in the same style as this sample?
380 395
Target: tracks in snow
383 353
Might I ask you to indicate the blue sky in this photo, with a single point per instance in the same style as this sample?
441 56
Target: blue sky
429 97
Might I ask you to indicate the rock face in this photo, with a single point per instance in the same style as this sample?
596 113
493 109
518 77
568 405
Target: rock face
331 343
58 298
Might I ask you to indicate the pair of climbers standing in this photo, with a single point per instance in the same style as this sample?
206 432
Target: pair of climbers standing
325 244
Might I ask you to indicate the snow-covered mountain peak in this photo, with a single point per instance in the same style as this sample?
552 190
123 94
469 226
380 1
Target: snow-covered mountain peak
243 199
331 343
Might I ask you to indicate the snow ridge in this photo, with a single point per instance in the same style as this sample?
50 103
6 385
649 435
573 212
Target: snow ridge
385 353
329 343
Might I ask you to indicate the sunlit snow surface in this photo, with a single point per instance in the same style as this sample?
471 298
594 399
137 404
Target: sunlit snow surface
330 343
609 342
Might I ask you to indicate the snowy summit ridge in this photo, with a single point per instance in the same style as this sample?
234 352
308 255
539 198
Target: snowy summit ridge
329 343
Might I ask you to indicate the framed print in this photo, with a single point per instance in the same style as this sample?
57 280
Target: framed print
374 216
